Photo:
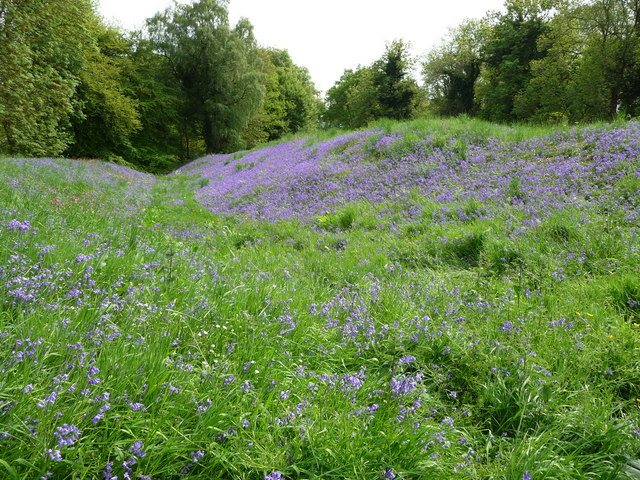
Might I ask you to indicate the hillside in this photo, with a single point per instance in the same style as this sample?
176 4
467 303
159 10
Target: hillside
416 301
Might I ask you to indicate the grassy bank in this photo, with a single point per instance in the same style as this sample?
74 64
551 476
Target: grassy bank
412 301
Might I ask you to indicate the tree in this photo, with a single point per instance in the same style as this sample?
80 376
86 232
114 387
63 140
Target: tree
611 59
398 93
218 68
290 104
507 56
108 116
450 70
383 89
41 56
547 95
353 101
161 143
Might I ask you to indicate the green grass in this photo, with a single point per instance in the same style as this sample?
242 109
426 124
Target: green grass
284 347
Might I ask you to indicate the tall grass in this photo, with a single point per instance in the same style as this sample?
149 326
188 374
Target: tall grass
144 336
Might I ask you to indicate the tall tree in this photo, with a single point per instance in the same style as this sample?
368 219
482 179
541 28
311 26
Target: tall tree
383 89
507 55
41 56
291 103
108 116
398 93
450 70
547 96
611 64
217 66
161 143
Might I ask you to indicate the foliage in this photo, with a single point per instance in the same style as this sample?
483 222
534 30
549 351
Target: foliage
164 139
546 61
450 71
508 53
382 90
415 314
41 60
290 104
218 68
397 92
108 116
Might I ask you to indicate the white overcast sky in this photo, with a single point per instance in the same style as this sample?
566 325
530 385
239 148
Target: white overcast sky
328 36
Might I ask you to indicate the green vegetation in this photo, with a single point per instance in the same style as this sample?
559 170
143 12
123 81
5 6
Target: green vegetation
544 61
153 99
382 90
190 83
414 337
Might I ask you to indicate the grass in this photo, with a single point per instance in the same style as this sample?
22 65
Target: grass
411 337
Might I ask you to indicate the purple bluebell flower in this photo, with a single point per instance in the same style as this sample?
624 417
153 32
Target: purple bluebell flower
388 474
136 449
137 407
67 434
197 455
406 359
54 455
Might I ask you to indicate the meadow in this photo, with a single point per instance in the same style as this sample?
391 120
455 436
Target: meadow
422 300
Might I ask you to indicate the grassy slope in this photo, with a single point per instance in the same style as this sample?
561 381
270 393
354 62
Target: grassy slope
413 337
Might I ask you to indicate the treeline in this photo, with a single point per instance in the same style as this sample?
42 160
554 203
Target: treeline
541 60
537 60
188 84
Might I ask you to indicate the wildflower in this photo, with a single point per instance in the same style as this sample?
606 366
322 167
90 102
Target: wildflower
67 434
49 399
388 474
197 455
108 475
136 449
18 225
54 455
275 475
137 407
526 476
406 359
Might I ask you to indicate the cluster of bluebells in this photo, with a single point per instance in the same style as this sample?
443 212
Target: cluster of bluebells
298 180
212 349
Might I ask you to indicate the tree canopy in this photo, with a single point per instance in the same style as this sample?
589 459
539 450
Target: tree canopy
541 60
384 89
190 83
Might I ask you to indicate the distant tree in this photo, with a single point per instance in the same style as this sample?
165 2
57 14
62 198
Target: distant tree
353 101
384 89
397 92
610 66
161 143
507 56
108 116
291 103
450 70
547 95
218 68
42 45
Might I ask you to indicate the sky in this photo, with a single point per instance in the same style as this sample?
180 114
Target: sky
328 36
